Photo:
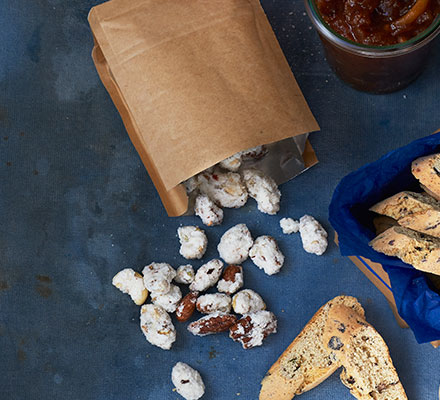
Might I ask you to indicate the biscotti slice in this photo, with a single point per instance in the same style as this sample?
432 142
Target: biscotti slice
417 211
368 370
305 363
427 171
406 203
417 249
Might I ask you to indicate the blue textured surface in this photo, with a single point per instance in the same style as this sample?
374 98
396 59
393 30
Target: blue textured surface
76 205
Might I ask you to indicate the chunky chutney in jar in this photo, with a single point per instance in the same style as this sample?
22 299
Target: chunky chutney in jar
379 22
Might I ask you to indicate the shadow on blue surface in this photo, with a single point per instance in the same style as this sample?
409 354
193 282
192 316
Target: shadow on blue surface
76 205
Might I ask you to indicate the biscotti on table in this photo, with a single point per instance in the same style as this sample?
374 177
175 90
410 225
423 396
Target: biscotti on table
313 356
368 370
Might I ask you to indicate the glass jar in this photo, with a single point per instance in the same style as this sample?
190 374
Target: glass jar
376 69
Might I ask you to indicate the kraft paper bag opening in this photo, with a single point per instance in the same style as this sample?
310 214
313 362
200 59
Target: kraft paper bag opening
195 82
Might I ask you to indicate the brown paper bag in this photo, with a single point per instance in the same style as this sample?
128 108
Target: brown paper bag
195 81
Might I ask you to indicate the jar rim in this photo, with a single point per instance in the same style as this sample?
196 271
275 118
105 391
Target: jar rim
415 42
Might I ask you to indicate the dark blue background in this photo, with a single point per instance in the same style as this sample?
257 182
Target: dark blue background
76 206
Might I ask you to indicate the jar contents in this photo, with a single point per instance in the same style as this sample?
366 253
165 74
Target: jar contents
379 22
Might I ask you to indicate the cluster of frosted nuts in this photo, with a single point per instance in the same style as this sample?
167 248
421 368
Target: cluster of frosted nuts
255 324
235 246
159 279
229 185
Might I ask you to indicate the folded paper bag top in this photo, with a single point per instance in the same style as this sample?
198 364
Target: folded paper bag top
195 81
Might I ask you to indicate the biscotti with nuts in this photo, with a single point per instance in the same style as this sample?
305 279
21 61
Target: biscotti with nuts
414 248
417 211
368 370
427 171
405 203
305 363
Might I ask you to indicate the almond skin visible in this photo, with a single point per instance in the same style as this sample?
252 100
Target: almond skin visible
186 306
230 271
212 324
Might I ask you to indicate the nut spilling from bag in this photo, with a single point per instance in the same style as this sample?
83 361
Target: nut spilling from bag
227 185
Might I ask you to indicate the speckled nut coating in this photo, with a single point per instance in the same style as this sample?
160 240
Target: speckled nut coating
184 274
263 189
158 277
188 382
193 242
225 188
289 225
253 328
208 211
168 301
313 235
232 163
266 255
235 244
212 323
254 153
157 326
131 282
247 301
232 279
213 303
207 275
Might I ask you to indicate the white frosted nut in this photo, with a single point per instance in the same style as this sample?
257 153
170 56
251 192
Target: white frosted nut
208 211
263 189
235 244
184 274
247 301
232 279
168 301
188 382
131 282
206 276
266 255
193 242
215 302
313 235
289 225
158 277
157 326
254 152
191 184
232 163
225 188
253 328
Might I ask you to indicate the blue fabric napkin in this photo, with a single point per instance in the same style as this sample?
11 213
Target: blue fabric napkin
417 304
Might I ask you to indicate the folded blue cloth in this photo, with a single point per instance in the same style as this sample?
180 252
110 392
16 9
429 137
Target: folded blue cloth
417 304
